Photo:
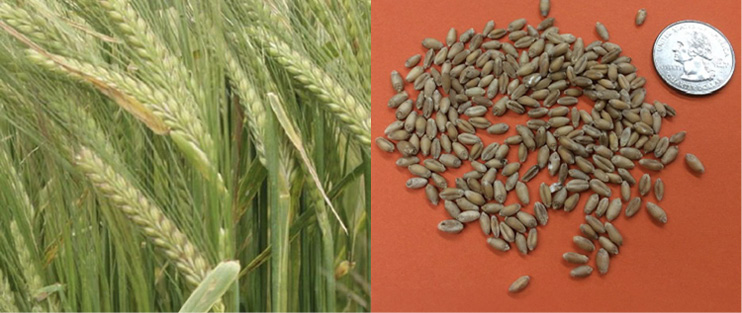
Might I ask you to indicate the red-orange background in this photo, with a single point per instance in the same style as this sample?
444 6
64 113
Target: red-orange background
690 264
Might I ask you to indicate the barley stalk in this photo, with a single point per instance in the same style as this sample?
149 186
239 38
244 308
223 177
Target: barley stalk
150 219
354 116
184 128
27 264
250 101
7 296
31 25
138 35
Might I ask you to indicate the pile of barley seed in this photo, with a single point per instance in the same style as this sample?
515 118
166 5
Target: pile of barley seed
541 73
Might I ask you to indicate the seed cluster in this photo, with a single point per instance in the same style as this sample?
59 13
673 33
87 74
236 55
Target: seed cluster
540 73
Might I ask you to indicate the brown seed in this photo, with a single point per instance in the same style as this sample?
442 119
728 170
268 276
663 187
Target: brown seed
484 223
608 245
544 6
602 207
498 244
641 15
576 258
545 194
677 137
583 243
412 61
602 31
501 192
613 234
527 219
451 37
519 284
432 43
506 232
602 261
384 144
516 24
416 182
571 202
397 81
652 164
659 189
588 231
452 209
592 203
645 185
657 212
625 191
521 190
450 226
497 129
432 194
532 240
467 216
559 197
633 206
600 188
614 209
595 224
520 242
515 224
694 163
541 213
494 226
670 155
510 210
530 173
581 271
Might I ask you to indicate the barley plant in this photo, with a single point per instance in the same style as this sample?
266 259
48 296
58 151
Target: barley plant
184 155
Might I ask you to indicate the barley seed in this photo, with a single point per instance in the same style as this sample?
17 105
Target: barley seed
659 189
581 271
613 234
657 212
602 261
575 258
694 163
519 284
450 226
614 209
520 242
641 15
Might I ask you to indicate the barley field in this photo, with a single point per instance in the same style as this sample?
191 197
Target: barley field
200 155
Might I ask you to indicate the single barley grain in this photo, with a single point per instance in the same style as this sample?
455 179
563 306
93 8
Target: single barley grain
694 163
588 232
519 284
520 242
614 209
541 213
450 226
595 224
633 206
498 244
532 239
657 212
602 261
544 6
645 185
575 258
613 234
581 271
659 189
583 243
641 15
608 245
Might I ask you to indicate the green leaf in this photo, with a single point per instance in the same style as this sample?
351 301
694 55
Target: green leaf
212 288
